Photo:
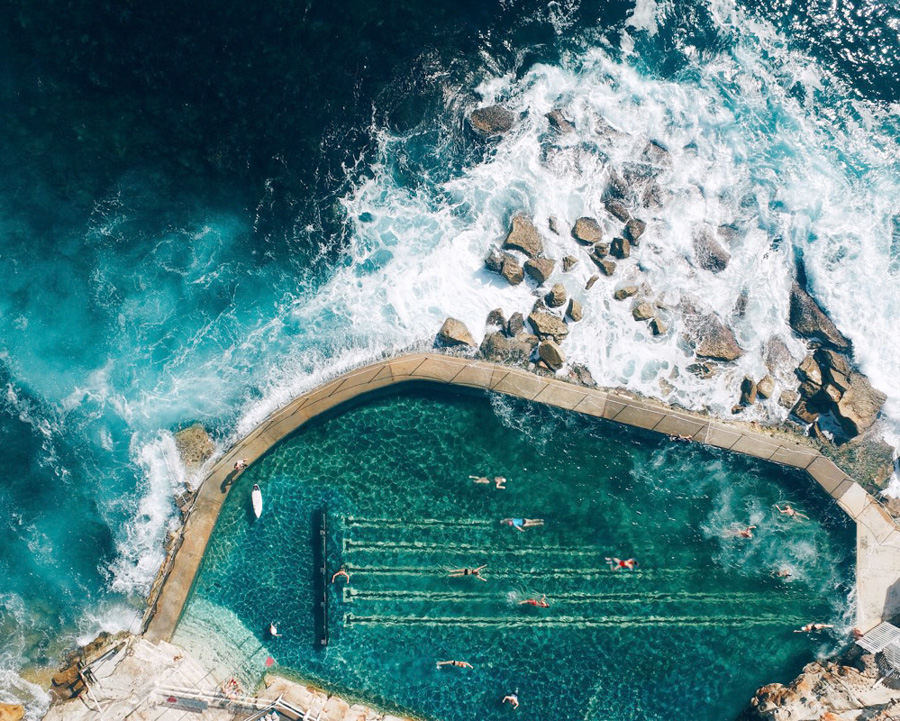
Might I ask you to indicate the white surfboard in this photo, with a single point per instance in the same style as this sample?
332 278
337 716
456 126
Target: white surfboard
256 498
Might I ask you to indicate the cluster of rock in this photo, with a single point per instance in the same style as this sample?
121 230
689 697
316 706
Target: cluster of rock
194 446
828 383
68 682
829 691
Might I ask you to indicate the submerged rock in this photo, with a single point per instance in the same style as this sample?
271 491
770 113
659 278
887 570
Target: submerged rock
194 446
590 282
617 209
643 311
569 262
810 321
524 236
559 123
710 254
492 120
625 292
608 267
497 318
553 224
454 332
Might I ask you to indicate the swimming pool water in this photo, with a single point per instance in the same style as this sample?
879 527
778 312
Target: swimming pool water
695 629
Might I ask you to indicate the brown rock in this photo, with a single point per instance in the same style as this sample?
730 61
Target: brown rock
634 229
620 248
498 348
777 356
547 325
574 311
557 296
859 406
587 230
714 339
524 237
788 399
808 389
803 412
599 250
552 354
515 325
454 333
809 370
497 318
701 370
494 260
836 367
11 712
617 209
540 269
766 387
709 253
607 267
625 292
643 311
593 279
512 271
569 262
493 120
810 321
657 326
748 391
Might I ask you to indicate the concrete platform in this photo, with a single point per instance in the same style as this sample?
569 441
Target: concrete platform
878 539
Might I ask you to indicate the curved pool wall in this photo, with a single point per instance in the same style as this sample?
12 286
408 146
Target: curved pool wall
878 539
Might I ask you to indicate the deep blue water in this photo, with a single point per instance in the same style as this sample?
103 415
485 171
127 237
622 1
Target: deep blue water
206 210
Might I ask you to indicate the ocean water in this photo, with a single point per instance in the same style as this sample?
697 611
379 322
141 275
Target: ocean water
205 212
402 514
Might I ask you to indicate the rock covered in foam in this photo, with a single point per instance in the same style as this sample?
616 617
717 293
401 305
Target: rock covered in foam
547 325
559 123
454 333
810 321
499 348
492 120
709 252
713 339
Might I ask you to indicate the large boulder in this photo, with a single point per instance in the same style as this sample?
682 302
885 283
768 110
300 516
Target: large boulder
499 348
810 321
547 325
493 120
714 339
455 333
11 712
515 325
710 254
556 297
540 269
512 271
858 407
524 236
552 354
587 230
194 446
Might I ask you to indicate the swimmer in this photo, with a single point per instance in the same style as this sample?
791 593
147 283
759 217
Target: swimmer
520 524
480 479
740 532
617 563
458 572
783 572
511 698
240 465
461 664
500 482
540 603
679 437
273 630
790 511
810 627
341 572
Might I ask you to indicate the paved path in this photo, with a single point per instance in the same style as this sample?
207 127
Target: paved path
878 539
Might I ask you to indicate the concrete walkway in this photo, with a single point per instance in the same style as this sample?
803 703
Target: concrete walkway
878 539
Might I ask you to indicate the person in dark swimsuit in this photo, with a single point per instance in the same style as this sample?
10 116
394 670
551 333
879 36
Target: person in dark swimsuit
459 572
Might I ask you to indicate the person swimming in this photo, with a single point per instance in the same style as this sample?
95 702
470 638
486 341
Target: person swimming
739 532
810 627
340 572
617 563
460 664
539 602
499 481
520 524
273 630
512 698
459 572
791 512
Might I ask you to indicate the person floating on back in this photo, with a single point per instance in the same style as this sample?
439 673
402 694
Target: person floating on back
511 698
499 481
539 602
340 572
461 664
617 563
458 572
520 524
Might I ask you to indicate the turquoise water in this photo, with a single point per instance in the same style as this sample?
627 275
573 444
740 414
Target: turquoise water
393 474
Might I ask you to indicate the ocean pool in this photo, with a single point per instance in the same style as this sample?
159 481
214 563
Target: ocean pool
697 626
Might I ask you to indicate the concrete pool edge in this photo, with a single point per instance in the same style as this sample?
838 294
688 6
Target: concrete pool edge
878 538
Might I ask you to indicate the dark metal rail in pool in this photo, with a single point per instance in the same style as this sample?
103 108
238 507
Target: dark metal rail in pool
321 586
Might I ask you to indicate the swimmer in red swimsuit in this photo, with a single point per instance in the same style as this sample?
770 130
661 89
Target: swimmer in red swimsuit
540 603
617 563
